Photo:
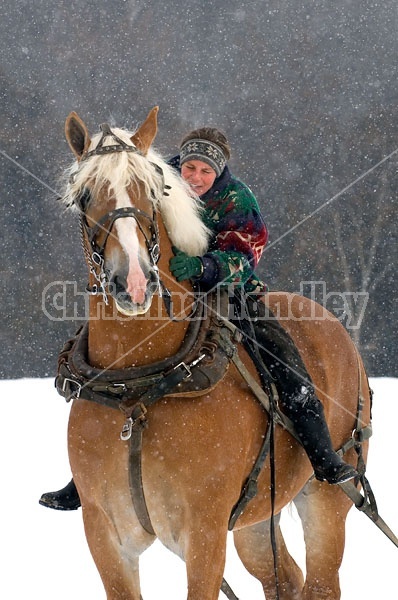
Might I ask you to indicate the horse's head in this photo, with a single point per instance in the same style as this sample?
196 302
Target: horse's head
119 186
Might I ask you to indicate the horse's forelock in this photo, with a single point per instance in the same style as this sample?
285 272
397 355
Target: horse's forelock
180 211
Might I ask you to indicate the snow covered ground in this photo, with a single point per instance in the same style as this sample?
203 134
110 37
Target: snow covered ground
45 553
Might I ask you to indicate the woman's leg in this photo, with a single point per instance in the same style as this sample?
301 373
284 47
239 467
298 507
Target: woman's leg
298 398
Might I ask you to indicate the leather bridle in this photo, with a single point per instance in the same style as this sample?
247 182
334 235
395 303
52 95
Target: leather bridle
95 256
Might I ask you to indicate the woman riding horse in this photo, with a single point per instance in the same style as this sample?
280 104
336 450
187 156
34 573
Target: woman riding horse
239 235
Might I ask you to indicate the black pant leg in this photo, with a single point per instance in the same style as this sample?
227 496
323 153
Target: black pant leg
282 358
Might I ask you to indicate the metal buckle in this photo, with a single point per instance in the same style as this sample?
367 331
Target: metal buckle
117 388
78 385
97 259
186 367
189 367
155 253
127 429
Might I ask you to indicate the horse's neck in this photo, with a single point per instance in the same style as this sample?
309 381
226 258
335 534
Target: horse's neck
134 342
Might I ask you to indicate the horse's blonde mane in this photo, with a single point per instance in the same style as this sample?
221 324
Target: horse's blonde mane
180 210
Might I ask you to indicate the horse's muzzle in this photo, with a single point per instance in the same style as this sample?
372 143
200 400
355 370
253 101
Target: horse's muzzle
124 303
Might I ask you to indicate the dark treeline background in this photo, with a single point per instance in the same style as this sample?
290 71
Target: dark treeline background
306 92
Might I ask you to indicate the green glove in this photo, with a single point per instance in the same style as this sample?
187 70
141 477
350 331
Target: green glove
185 267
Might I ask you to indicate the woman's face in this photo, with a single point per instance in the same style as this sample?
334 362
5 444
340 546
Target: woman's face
199 175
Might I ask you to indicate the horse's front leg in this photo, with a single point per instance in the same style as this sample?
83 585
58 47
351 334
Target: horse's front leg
116 558
205 557
114 535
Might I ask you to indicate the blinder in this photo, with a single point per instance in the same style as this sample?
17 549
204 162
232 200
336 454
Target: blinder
82 200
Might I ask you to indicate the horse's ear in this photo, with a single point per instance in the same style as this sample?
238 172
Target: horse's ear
76 134
145 135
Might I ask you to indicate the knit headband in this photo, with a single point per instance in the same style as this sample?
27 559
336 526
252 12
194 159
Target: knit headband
205 151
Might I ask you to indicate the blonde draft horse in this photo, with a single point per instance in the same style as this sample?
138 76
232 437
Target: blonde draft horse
197 452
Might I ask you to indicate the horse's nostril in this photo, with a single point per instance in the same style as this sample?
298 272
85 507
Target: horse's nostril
120 282
118 286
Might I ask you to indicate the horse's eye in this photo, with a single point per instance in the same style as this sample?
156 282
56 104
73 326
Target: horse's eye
83 199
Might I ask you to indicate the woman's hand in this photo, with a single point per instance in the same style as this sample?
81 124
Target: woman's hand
184 266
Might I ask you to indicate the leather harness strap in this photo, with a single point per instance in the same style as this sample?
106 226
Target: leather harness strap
133 431
135 480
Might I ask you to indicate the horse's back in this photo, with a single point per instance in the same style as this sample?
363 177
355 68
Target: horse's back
330 356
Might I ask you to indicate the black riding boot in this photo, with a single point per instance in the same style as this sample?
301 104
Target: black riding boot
310 424
298 398
65 499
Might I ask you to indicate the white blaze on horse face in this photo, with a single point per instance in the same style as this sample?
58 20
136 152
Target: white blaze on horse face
127 234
